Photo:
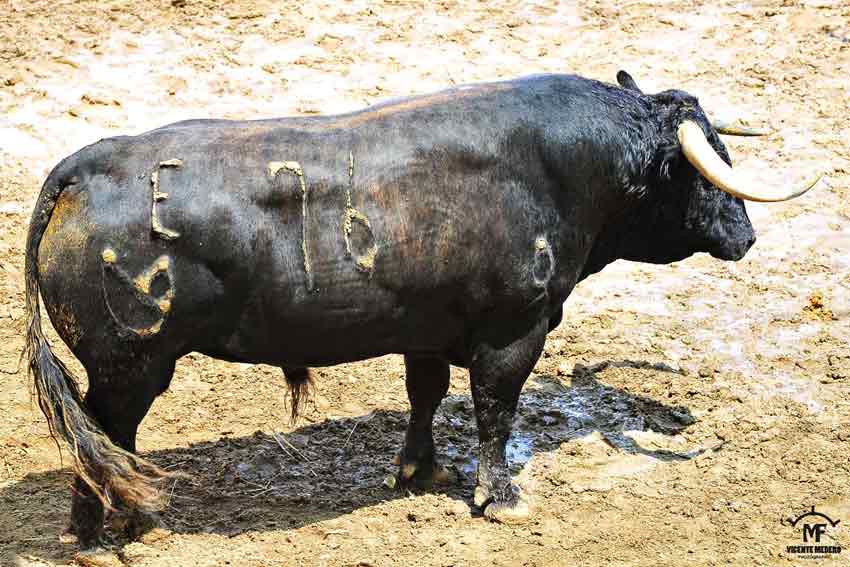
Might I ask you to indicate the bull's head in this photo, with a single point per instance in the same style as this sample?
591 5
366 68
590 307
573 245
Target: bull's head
701 206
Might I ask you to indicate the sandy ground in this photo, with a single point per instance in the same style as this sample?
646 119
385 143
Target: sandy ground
680 415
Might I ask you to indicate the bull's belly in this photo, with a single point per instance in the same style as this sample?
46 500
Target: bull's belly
322 332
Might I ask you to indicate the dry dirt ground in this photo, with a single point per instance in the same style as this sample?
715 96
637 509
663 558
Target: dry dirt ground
680 415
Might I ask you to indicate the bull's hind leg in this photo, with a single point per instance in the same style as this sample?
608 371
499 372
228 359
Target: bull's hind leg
427 383
497 376
118 400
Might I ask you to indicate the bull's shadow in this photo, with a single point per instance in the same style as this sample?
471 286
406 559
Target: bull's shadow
325 470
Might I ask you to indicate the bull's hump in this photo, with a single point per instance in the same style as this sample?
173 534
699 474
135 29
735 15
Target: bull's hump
405 105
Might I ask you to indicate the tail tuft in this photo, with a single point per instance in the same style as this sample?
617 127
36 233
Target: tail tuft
117 477
300 384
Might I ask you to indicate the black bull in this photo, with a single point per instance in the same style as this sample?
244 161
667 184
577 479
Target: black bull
450 228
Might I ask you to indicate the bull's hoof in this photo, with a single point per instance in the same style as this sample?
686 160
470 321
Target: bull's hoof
481 496
505 506
68 537
515 512
87 537
132 524
423 475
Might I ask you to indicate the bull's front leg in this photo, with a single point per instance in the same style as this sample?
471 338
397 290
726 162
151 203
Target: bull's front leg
427 380
497 377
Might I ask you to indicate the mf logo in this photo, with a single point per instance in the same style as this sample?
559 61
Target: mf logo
813 526
815 530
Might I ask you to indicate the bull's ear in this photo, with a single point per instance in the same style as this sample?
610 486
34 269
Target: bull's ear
627 82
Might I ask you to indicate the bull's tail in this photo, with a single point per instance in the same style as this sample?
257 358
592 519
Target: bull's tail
300 383
113 474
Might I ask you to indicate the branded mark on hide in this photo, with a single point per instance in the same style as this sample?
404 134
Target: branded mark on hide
544 262
156 196
141 288
364 262
295 168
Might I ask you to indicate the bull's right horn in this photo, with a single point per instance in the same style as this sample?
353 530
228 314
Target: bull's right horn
702 156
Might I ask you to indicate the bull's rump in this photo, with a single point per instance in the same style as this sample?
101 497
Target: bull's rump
434 243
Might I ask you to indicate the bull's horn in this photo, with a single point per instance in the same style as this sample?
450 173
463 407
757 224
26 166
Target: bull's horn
703 157
731 129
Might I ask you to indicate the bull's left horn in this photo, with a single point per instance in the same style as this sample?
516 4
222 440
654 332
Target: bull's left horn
702 156
731 129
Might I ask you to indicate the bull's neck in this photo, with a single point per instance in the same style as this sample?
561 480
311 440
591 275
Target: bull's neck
616 232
